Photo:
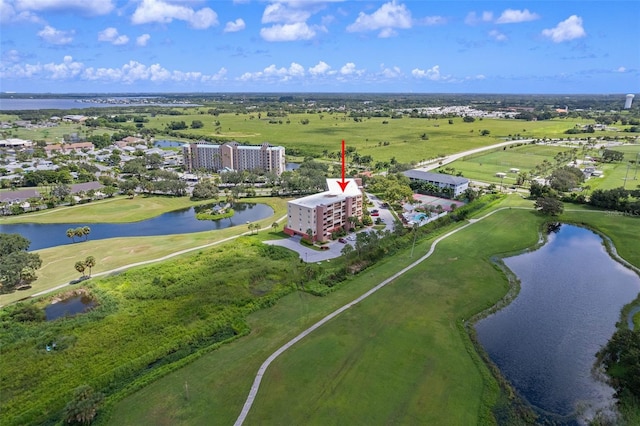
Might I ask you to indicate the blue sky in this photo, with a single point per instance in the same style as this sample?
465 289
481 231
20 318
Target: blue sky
68 46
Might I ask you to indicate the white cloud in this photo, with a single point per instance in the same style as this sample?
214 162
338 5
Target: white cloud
162 12
68 68
390 16
280 13
143 40
621 69
84 7
433 20
320 68
569 29
512 16
12 56
497 35
432 73
111 35
393 72
53 36
272 73
131 72
9 15
473 19
350 69
234 26
288 32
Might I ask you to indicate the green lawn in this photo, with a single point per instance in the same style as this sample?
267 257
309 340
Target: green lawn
397 357
58 262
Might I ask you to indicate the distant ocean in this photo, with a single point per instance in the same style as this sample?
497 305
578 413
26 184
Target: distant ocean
25 104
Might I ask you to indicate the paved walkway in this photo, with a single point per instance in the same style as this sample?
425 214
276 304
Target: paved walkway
159 259
263 368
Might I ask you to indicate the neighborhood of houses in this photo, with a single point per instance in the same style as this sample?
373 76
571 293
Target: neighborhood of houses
320 214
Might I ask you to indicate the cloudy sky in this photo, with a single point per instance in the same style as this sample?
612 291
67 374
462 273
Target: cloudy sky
320 46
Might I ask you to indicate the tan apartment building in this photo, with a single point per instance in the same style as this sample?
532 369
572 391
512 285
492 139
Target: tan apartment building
326 212
233 156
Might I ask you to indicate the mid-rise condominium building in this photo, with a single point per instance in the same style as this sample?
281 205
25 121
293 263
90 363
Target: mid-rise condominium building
457 184
233 156
326 212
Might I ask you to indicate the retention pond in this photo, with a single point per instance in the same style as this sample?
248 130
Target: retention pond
544 342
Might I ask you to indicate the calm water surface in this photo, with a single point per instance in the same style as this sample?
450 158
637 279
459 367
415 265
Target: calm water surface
176 222
68 307
545 341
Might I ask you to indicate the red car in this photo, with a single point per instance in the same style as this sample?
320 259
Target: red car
375 214
342 240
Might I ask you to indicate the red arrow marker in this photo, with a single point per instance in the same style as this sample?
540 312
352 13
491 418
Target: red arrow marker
343 184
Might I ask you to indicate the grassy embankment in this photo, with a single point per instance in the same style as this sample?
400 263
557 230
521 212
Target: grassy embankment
58 262
399 356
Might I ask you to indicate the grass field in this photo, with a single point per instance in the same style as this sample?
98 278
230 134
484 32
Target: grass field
325 131
483 167
57 262
406 335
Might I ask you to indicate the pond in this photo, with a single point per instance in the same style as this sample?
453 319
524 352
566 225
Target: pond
176 222
167 144
68 307
544 342
289 167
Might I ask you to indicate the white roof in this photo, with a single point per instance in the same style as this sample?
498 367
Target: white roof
333 195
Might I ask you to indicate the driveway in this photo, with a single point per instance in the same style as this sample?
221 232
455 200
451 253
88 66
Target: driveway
307 254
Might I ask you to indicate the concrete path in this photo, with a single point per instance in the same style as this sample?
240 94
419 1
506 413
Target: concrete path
263 368
159 259
439 162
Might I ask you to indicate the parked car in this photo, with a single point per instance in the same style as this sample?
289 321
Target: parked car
374 211
375 214
342 240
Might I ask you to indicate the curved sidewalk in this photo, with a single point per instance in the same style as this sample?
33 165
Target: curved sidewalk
263 368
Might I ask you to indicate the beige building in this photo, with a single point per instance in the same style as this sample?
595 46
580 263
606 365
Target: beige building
233 156
326 212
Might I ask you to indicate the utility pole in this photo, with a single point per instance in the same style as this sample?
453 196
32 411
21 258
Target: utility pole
625 176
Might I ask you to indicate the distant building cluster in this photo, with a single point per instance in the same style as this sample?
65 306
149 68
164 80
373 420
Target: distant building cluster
324 213
233 156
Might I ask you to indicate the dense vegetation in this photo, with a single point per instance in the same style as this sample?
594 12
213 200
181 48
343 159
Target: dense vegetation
17 266
145 320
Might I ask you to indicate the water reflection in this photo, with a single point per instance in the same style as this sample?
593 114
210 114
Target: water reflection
545 341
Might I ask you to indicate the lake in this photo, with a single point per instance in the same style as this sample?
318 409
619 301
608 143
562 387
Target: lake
176 222
545 341
9 104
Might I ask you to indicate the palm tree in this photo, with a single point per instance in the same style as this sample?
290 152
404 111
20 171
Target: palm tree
71 233
80 267
84 406
79 231
274 226
90 262
86 231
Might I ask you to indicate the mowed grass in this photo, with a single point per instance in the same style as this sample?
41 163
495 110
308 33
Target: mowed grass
112 210
404 136
484 167
58 262
398 357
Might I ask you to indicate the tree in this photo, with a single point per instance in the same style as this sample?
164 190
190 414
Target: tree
197 124
205 189
609 155
549 206
17 267
309 234
274 226
86 231
10 243
71 233
484 132
468 119
80 267
347 250
82 409
90 262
